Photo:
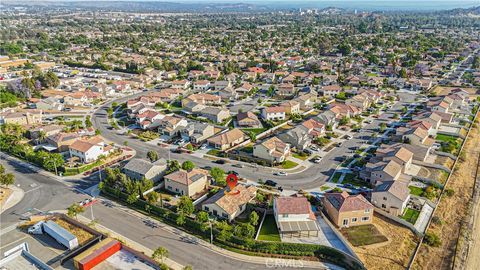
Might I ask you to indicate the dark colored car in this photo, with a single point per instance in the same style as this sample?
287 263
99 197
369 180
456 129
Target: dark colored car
232 172
271 183
219 161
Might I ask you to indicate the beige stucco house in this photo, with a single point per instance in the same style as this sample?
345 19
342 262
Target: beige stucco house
348 210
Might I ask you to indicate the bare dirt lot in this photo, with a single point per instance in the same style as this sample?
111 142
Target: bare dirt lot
393 254
452 209
4 194
445 90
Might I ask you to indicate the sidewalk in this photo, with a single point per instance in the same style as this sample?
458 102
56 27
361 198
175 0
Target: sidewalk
14 198
171 263
265 261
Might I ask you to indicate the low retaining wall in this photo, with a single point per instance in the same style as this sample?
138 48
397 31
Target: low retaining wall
399 220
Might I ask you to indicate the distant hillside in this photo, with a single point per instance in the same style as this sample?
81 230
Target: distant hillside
141 6
464 11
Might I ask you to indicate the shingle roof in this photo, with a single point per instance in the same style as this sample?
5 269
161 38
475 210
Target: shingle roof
231 203
346 203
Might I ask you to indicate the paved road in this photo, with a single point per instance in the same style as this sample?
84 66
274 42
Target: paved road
47 194
312 177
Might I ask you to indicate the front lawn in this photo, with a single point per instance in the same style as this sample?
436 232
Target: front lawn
214 152
411 215
288 164
269 231
336 177
302 157
416 190
363 235
255 131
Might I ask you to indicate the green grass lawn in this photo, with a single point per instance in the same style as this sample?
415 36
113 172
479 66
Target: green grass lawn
336 177
295 155
416 190
269 231
213 152
288 164
411 215
446 138
351 179
323 188
363 235
255 131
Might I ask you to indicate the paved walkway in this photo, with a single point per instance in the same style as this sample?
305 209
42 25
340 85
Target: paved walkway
230 254
14 198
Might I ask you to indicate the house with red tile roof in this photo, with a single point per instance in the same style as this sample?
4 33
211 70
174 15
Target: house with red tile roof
294 217
346 210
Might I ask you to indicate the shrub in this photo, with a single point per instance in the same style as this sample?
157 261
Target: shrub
436 220
432 239
449 192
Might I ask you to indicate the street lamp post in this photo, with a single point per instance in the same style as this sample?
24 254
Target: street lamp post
211 231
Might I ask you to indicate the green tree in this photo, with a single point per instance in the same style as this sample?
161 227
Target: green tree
185 205
160 254
152 197
6 179
88 122
244 230
218 175
188 165
132 198
202 217
225 230
152 155
173 166
253 218
74 209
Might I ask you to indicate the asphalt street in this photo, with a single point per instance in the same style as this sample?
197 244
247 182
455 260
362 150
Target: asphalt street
310 178
43 193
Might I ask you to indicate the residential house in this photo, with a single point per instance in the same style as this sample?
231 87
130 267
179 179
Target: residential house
230 205
275 113
170 126
400 155
285 90
294 217
346 210
220 85
315 128
49 104
27 117
227 139
391 196
416 136
138 169
187 183
297 137
180 84
273 150
215 114
331 90
88 150
291 107
382 171
307 101
61 141
248 120
197 132
204 99
201 86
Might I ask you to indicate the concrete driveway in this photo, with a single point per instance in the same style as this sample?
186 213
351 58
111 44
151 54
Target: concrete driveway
326 237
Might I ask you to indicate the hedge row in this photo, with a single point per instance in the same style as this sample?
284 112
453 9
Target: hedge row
324 253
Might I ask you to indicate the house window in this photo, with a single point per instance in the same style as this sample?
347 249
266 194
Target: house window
365 218
206 209
215 212
354 220
169 187
285 215
384 206
224 215
367 210
384 198
345 222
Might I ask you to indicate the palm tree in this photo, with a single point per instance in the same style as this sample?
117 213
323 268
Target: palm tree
74 209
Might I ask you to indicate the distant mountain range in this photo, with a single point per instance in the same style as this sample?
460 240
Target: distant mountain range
327 6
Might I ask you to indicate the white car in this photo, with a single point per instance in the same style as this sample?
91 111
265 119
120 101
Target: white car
281 173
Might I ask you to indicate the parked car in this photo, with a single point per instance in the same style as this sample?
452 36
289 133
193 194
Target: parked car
208 168
348 137
271 183
339 144
232 172
314 148
219 161
238 165
280 173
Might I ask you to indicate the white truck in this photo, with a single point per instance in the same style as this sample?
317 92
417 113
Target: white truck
57 232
